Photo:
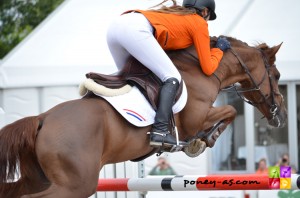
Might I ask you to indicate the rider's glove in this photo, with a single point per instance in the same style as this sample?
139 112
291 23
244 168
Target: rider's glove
223 44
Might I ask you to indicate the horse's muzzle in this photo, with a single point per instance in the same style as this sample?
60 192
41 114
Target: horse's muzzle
278 120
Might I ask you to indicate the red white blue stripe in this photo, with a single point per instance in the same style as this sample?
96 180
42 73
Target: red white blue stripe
134 114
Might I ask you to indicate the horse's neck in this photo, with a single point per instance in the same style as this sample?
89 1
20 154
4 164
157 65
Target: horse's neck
227 75
230 70
199 86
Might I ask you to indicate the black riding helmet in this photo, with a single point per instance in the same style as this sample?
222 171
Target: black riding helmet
200 4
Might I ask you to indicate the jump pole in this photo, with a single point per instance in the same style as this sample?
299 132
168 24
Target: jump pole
197 183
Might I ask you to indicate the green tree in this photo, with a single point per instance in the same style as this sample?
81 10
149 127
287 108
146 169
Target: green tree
19 17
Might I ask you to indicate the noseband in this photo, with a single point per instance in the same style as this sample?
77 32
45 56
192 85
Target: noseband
256 86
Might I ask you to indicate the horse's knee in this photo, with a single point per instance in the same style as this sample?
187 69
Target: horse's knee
91 187
230 111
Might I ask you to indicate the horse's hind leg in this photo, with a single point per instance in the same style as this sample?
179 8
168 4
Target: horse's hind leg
78 190
71 176
72 169
55 191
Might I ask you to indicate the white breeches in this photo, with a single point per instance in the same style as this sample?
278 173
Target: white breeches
132 34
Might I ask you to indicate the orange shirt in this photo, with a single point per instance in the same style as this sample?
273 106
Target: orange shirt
174 31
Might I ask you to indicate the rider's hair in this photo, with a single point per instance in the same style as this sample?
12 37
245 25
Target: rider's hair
173 9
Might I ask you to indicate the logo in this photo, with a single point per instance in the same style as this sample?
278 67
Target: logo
279 177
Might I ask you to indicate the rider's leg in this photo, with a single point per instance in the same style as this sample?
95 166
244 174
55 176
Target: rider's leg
118 52
134 33
160 132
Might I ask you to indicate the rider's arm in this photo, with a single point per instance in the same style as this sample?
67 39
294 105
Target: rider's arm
209 58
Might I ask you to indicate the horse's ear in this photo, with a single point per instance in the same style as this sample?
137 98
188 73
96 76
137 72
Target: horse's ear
272 51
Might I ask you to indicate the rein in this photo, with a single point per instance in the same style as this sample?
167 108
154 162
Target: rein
273 106
256 86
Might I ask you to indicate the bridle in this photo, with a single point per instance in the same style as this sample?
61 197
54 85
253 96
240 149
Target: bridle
273 107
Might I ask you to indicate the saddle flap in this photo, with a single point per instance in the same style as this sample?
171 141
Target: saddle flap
149 88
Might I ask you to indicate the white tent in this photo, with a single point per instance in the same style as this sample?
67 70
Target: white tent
71 41
272 22
48 65
46 68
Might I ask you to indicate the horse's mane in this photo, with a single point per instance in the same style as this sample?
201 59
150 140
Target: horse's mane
191 54
262 46
267 51
237 42
233 41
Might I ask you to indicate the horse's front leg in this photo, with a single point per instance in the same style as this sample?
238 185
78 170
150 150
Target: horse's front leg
218 118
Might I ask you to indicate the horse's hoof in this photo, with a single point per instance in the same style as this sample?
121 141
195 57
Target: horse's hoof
195 148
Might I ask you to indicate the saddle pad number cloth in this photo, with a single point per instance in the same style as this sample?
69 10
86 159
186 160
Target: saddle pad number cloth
135 108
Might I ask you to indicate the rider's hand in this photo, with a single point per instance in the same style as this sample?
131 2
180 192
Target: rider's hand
223 44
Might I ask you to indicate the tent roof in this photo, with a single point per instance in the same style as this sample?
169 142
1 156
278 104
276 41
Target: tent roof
67 44
72 40
266 21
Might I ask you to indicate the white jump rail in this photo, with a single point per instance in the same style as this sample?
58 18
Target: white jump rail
198 183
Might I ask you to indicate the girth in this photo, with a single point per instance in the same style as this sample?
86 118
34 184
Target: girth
134 73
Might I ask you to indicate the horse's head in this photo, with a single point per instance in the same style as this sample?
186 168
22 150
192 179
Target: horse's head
258 78
252 68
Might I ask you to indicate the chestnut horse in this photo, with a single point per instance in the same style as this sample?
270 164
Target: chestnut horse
61 152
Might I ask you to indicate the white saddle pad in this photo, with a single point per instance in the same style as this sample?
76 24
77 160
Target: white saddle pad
135 108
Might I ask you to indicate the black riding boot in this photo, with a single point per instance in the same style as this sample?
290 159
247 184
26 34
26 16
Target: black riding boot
160 134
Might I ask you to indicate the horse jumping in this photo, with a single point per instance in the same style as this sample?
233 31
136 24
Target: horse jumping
61 152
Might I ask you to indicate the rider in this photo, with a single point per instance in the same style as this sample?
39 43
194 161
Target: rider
145 34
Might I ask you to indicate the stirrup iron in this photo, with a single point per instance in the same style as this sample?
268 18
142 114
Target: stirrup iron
176 147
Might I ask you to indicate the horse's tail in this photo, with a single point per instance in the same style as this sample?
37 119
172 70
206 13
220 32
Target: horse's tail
17 152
